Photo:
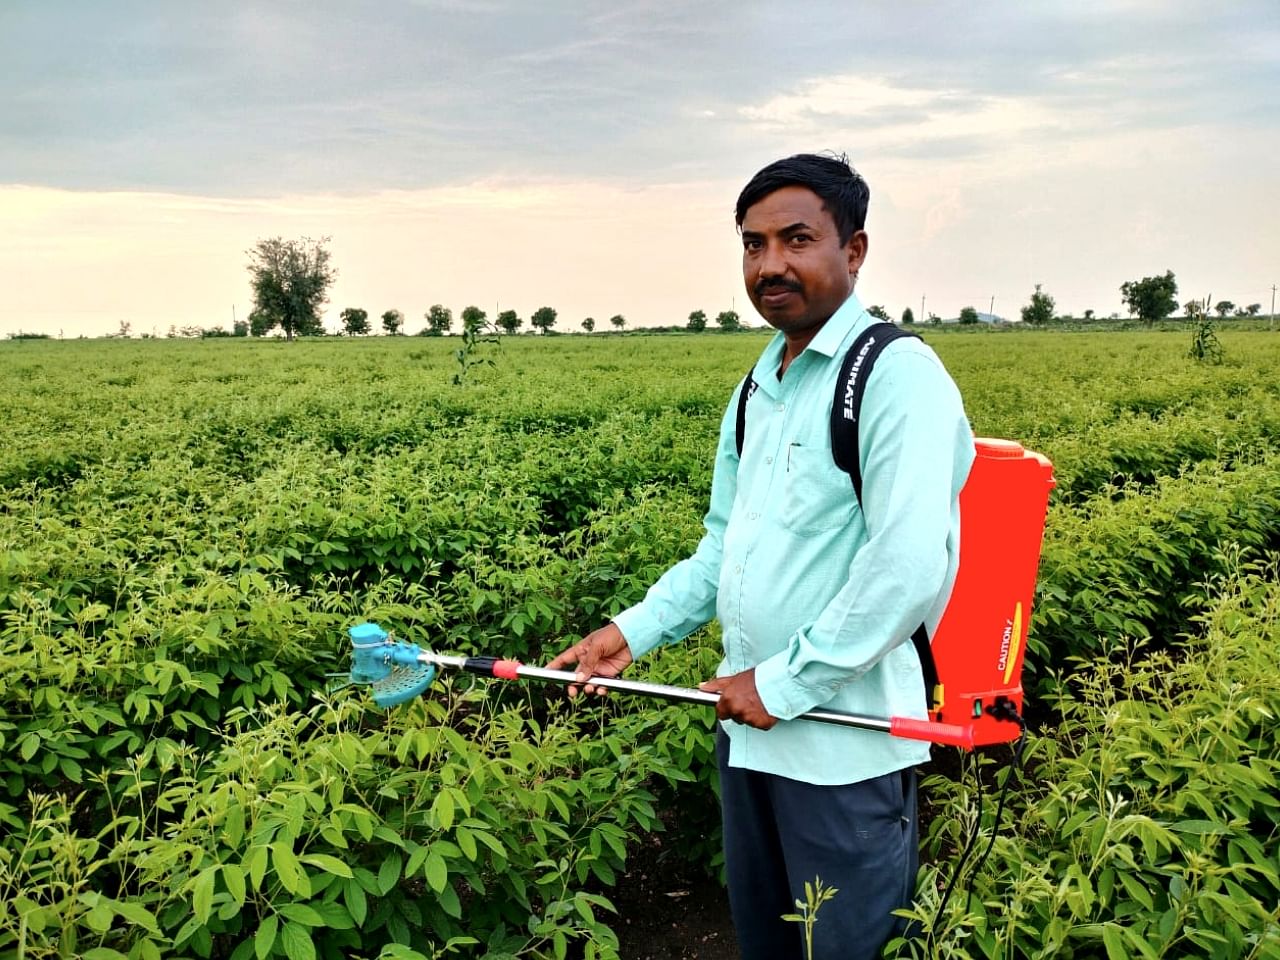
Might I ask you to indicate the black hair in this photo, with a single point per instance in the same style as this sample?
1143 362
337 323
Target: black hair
840 187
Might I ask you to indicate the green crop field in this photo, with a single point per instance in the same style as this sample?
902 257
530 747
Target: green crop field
188 528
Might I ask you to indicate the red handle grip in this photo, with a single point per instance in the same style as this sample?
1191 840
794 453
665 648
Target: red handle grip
506 669
949 733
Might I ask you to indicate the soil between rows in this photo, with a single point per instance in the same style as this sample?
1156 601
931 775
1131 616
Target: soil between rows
669 909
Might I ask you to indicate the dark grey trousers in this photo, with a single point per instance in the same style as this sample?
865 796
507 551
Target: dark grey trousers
861 838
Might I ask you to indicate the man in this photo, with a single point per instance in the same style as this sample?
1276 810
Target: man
817 595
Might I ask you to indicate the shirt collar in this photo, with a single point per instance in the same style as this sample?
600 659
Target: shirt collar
850 317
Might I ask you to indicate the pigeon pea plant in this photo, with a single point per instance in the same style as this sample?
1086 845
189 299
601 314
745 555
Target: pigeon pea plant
1149 828
181 557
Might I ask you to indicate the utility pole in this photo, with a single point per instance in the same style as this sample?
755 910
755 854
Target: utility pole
922 315
1272 324
991 310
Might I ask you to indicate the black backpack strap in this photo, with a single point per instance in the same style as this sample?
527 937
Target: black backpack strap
748 388
933 691
846 408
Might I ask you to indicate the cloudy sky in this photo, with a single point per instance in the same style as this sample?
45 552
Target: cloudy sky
587 155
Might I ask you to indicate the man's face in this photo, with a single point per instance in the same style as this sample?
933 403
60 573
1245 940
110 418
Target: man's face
796 270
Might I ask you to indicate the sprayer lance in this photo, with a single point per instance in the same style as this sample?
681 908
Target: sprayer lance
407 655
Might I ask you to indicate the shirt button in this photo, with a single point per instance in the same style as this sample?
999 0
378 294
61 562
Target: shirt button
768 459
780 407
755 516
738 569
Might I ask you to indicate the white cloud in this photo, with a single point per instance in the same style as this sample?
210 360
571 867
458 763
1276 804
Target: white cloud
842 98
884 115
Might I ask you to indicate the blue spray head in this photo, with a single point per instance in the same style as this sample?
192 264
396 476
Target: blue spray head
390 668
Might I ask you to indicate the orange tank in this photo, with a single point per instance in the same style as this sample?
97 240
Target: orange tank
980 642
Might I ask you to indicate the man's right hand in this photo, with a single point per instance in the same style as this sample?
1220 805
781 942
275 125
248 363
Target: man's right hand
601 653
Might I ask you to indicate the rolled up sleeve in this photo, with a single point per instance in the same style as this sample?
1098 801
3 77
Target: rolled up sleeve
684 598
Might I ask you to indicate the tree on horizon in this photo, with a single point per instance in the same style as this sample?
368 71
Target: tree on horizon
1151 298
355 321
290 281
544 318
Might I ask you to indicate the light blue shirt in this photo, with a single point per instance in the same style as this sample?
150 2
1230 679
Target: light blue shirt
819 595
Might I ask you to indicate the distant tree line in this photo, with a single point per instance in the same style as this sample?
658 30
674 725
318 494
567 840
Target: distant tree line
1149 300
727 320
291 279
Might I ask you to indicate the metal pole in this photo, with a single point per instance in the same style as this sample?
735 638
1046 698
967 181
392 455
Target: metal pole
1272 324
659 691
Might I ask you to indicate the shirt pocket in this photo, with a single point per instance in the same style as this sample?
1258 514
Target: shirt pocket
817 495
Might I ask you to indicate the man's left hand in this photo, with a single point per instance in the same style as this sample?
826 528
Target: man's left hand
739 699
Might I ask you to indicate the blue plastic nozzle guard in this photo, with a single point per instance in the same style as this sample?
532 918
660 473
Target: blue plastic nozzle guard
365 633
403 654
369 660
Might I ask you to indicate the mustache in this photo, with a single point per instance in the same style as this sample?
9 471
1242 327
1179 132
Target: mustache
769 283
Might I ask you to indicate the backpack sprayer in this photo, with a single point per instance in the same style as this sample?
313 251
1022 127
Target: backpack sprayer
978 647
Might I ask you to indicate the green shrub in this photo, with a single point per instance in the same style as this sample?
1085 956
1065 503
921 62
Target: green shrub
1149 823
180 558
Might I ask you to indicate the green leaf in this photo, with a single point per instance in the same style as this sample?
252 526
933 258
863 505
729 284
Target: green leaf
297 942
295 808
1136 890
1113 940
466 842
255 862
1138 939
233 826
301 913
265 938
328 864
99 918
1198 827
136 913
437 872
70 769
353 896
286 865
417 858
202 894
333 915
442 810
233 878
389 874
492 842
449 903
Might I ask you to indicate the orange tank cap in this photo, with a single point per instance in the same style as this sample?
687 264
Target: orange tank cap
998 449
